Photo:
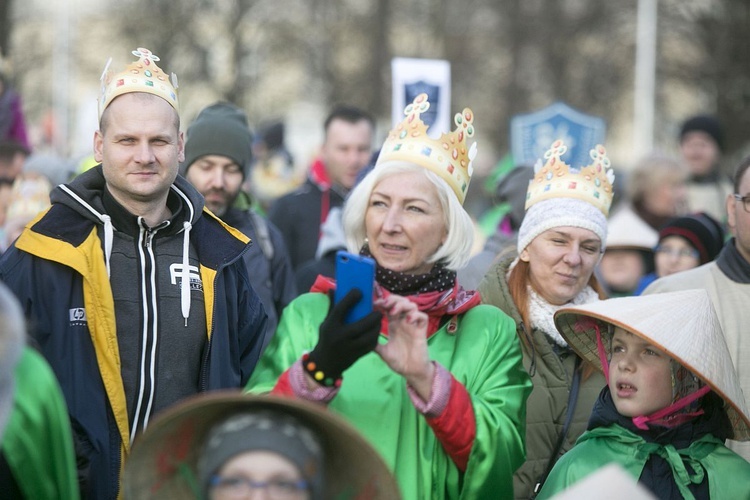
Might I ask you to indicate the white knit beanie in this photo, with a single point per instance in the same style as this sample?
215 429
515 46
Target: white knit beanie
561 212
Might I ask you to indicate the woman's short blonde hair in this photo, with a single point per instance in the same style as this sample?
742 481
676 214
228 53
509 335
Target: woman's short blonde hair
652 171
456 250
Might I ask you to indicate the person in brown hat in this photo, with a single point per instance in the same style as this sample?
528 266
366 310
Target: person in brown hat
228 445
672 397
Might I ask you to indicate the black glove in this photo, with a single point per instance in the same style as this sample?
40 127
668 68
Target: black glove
340 344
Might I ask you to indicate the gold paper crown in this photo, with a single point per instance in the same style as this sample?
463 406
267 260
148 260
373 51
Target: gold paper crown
592 183
142 75
449 157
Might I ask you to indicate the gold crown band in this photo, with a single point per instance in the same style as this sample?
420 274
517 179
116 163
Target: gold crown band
142 75
449 156
556 179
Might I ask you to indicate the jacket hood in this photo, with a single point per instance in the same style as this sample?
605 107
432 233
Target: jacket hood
85 195
332 235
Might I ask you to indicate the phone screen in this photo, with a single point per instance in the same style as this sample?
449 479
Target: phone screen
355 271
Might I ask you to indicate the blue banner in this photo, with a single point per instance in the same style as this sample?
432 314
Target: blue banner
532 134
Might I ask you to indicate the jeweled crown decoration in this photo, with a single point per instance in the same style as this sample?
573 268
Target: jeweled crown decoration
142 75
556 179
449 156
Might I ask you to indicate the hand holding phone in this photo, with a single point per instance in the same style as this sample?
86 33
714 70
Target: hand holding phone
351 328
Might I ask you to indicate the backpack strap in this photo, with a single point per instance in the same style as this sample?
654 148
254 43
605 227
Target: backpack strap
262 234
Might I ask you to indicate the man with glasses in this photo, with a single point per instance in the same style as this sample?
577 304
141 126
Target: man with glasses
727 280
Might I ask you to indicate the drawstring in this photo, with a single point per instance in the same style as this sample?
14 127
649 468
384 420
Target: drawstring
108 237
642 420
602 353
185 285
106 219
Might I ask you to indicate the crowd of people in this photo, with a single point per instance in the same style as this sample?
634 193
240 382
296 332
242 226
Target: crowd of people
171 328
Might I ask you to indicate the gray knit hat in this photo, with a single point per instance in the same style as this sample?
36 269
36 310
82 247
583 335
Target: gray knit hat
265 430
220 129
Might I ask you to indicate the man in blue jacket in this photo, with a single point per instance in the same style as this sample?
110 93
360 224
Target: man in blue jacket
217 159
136 295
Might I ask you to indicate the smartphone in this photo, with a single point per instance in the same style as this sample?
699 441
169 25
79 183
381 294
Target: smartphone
355 271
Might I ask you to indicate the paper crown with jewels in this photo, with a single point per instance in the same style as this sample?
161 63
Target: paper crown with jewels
555 179
142 75
450 157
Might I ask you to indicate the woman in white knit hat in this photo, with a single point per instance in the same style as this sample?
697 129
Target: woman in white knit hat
560 241
671 401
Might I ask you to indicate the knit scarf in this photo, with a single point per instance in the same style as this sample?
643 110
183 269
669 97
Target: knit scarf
438 279
541 312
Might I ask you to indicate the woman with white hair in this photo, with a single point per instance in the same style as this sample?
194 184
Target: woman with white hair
432 378
560 241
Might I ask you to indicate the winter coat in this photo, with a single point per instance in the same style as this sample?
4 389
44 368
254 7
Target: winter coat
268 266
299 214
551 368
58 268
332 239
482 354
709 194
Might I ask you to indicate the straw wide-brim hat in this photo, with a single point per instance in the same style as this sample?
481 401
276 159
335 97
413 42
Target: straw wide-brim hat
627 231
682 324
163 461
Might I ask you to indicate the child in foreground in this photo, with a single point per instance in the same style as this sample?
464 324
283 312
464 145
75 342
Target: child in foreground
672 397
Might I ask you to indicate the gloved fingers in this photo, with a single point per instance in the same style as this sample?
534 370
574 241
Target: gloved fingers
338 311
370 322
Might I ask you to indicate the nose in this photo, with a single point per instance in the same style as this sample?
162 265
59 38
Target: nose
258 494
673 256
145 153
573 255
625 362
216 179
392 221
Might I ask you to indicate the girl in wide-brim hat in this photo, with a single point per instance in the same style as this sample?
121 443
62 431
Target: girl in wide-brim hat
630 339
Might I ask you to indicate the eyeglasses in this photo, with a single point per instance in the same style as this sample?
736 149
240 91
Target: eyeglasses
745 201
681 253
240 487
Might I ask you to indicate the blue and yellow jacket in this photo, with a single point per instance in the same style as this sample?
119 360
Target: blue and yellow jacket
59 270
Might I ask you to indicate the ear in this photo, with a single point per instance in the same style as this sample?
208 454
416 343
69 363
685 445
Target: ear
181 145
98 146
524 256
731 214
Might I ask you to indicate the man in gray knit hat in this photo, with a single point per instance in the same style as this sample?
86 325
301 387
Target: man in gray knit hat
217 158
